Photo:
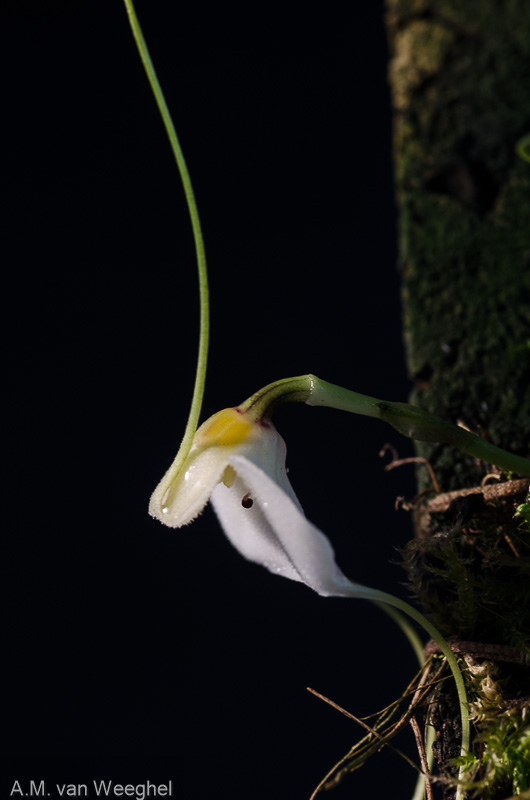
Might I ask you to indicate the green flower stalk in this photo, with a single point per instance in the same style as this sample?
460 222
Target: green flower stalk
204 330
415 423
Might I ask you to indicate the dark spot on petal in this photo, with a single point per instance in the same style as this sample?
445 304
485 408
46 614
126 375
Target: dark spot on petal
247 501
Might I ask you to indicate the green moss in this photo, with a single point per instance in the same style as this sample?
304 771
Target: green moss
505 745
523 513
473 576
466 288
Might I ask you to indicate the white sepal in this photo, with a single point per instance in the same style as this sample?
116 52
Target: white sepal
274 532
201 474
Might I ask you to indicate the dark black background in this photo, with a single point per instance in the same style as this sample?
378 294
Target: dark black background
139 652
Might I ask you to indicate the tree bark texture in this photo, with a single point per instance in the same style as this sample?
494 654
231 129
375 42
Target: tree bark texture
460 78
460 75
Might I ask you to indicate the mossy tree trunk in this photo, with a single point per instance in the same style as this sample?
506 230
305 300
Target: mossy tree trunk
460 77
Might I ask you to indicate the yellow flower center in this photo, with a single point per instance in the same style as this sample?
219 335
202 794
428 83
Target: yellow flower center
228 427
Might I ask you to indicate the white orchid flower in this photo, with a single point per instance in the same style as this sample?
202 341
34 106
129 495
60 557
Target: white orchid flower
238 462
